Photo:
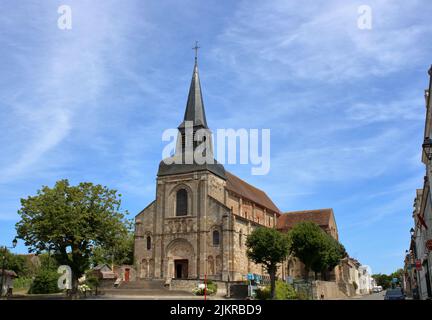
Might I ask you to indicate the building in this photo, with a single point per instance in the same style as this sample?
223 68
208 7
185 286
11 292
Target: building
197 226
418 260
419 237
366 282
322 217
7 280
198 223
103 272
351 275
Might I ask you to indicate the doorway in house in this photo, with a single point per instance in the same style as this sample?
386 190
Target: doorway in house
181 268
127 273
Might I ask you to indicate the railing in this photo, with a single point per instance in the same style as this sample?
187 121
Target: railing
303 289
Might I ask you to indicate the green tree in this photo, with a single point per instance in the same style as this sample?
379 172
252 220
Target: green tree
284 291
383 280
48 262
268 247
44 282
317 250
14 262
398 274
386 280
329 256
122 251
71 220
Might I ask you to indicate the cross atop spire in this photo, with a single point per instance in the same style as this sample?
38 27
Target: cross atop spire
196 50
195 106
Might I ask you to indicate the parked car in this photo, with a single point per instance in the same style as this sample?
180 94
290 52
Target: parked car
375 289
394 294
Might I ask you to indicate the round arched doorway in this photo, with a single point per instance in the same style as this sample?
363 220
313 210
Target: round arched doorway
180 258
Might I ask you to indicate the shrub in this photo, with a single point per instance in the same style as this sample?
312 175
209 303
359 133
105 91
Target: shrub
22 283
92 281
45 282
303 295
211 289
284 291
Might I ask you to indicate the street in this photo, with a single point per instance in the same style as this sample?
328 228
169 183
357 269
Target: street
373 296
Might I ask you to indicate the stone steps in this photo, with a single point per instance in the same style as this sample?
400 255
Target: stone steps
145 292
144 285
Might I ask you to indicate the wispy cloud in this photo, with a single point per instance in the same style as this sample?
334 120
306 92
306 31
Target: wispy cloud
71 71
320 40
345 106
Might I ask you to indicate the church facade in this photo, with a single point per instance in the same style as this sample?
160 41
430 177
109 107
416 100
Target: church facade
197 226
202 214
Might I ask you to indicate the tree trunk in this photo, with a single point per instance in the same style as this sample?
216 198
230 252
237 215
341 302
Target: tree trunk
74 283
272 273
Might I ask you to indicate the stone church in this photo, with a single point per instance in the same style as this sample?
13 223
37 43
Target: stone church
198 224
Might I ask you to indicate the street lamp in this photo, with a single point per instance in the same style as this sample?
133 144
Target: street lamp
14 244
412 232
427 148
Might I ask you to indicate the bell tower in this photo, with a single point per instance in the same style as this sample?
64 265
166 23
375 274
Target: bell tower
194 138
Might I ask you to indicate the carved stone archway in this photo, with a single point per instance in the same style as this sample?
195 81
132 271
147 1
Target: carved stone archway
180 251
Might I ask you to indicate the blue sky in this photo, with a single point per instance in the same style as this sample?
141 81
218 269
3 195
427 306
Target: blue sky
345 106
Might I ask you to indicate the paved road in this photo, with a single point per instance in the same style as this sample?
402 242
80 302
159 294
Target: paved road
373 296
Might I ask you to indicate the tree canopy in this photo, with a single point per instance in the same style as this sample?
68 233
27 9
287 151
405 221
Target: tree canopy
14 262
317 250
71 221
386 280
268 247
122 252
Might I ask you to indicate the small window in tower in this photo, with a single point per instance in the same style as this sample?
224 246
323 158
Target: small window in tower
215 238
181 203
183 141
240 238
148 243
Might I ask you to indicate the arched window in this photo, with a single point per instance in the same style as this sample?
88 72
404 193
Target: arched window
148 242
240 238
215 238
181 203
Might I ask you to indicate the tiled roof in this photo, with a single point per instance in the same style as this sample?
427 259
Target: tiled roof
245 190
320 216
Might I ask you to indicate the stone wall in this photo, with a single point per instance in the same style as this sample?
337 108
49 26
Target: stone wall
184 285
210 208
330 290
189 285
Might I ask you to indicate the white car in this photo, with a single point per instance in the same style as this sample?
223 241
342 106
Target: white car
377 289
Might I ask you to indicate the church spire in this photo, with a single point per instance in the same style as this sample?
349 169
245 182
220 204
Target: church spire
195 105
194 147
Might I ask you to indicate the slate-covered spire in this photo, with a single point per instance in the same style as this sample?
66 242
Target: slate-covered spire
184 159
195 105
